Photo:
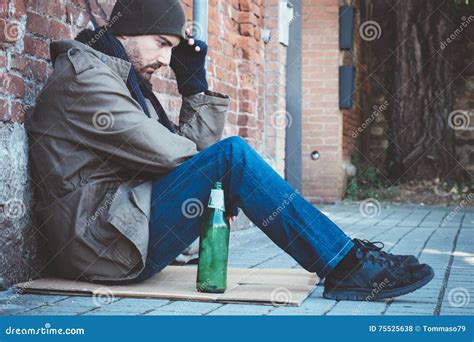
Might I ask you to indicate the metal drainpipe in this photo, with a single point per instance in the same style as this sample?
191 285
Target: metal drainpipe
200 19
293 146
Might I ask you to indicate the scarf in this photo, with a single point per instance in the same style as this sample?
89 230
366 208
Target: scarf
105 42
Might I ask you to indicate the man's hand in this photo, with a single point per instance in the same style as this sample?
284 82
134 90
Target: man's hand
188 63
231 219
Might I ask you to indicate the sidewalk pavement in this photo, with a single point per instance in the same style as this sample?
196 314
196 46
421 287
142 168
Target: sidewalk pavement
440 236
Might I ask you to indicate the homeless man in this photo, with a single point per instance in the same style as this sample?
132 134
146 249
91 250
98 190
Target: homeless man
112 172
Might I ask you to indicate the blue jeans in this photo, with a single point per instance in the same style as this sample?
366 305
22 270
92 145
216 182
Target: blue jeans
180 197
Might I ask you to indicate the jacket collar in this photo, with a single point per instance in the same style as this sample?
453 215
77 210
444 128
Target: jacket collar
118 65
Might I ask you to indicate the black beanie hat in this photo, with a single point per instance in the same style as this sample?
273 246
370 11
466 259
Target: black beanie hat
142 17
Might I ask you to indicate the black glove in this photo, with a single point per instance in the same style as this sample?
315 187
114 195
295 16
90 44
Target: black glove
189 67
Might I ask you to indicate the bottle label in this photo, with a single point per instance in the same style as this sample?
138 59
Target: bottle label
216 200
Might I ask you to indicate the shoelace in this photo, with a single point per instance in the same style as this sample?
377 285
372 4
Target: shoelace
372 245
367 246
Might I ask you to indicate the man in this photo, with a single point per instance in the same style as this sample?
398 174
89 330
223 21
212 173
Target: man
117 182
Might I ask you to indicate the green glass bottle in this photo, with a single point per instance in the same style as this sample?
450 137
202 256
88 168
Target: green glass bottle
214 245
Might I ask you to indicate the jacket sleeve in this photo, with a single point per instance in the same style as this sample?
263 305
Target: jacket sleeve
105 118
202 118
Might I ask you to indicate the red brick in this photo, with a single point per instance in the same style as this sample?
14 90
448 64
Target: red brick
213 28
243 132
38 24
257 10
10 30
247 17
36 46
3 61
19 6
30 67
258 33
4 115
12 84
3 8
246 30
246 107
18 112
59 30
247 68
242 120
248 94
74 13
245 5
53 8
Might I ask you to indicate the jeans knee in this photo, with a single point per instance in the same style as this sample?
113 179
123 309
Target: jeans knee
235 142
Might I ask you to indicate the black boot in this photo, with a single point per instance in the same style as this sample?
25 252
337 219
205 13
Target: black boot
373 275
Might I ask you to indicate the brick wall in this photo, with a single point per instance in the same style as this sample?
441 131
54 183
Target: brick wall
322 120
240 64
235 67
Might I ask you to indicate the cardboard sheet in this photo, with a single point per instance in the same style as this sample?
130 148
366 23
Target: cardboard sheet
250 285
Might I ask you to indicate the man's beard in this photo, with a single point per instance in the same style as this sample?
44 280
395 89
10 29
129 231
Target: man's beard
134 58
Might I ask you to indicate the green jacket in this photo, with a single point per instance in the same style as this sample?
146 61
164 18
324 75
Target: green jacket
93 154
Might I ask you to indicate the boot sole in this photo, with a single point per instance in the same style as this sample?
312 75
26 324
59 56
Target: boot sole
363 294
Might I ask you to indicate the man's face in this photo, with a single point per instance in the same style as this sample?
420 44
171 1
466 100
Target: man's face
148 53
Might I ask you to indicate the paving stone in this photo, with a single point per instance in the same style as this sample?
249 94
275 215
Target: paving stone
242 309
310 306
29 299
146 303
404 229
358 308
189 307
409 309
58 310
160 312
